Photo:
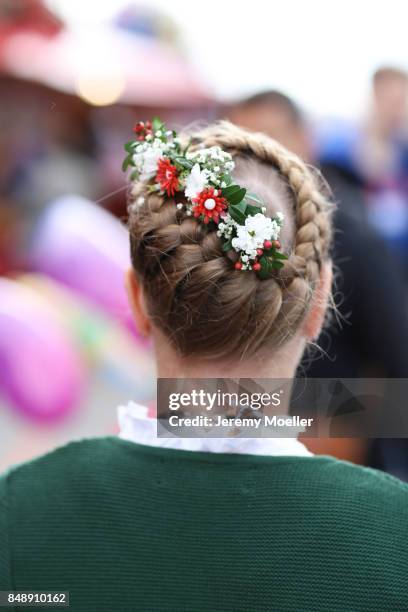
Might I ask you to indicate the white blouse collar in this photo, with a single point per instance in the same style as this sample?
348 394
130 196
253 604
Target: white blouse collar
135 425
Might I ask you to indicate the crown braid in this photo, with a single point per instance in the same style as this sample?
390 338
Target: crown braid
192 292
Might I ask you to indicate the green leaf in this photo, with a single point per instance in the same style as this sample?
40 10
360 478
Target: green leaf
157 124
255 198
186 148
227 179
268 265
264 261
277 264
266 268
230 190
130 146
183 162
242 206
127 162
252 210
237 196
227 246
279 255
237 214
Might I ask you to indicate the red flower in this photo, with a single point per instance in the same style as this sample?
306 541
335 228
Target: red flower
209 204
167 176
142 129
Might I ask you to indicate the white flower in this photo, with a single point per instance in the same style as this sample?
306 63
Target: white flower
253 234
196 181
146 161
280 217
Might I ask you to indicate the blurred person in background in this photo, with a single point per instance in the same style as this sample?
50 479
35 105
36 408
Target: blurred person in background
383 158
46 151
374 153
369 337
64 158
387 129
143 522
274 113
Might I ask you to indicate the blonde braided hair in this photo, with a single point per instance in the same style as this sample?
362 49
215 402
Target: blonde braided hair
193 294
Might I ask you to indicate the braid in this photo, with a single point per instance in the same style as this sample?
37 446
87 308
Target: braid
313 233
194 295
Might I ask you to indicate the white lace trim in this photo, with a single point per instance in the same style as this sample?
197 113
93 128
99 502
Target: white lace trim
136 426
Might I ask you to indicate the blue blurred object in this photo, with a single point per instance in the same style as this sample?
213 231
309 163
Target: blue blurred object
344 147
138 20
336 144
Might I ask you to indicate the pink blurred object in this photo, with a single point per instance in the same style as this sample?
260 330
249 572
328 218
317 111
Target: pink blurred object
40 369
134 69
27 16
86 248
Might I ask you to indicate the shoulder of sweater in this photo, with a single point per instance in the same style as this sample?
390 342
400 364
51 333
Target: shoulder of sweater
71 456
366 476
85 453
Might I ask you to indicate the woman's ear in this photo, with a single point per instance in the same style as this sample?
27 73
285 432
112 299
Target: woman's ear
137 305
313 323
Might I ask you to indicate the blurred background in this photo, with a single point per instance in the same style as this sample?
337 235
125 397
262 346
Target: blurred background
329 80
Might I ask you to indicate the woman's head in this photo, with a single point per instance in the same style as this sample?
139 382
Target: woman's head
186 285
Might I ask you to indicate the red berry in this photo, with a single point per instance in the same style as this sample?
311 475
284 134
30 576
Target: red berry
238 265
276 244
259 252
257 266
267 244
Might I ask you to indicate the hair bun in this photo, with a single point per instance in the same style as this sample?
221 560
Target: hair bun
192 292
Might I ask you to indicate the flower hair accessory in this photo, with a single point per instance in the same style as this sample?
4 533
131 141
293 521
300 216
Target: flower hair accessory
203 176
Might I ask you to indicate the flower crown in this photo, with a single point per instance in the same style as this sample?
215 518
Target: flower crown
204 177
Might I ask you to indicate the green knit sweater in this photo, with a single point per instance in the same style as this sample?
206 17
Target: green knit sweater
126 527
